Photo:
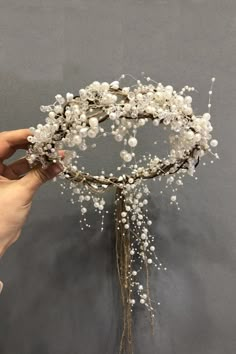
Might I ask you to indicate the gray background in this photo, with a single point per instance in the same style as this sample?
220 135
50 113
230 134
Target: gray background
61 294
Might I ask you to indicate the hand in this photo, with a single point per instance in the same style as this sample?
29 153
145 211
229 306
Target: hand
16 192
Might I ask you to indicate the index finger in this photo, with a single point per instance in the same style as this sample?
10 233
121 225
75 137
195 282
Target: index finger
10 141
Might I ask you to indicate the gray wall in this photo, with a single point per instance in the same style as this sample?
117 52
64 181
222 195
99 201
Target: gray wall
61 294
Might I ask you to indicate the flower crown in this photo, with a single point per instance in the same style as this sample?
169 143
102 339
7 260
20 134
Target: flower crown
75 121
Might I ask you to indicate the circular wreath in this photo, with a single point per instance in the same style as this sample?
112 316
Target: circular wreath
76 120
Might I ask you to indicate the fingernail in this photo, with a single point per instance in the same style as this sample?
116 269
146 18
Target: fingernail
57 168
1 286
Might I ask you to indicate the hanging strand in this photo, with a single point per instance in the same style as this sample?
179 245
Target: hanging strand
123 270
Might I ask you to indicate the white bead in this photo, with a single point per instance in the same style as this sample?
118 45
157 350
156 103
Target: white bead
69 96
214 143
51 114
83 117
173 198
190 134
155 122
83 132
127 157
141 122
149 261
188 99
82 92
96 85
118 137
115 85
152 248
142 301
134 273
169 88
93 122
58 109
92 133
206 116
132 141
143 236
77 139
112 116
105 85
123 153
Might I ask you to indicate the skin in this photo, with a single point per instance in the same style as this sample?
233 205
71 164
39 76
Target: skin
18 185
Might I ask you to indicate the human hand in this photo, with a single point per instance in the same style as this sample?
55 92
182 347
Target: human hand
16 192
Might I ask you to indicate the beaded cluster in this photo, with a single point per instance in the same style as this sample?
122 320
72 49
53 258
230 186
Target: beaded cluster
74 122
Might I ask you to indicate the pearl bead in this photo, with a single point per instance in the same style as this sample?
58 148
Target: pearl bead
105 85
83 117
206 116
169 88
58 109
118 137
149 261
123 153
93 122
127 157
214 143
69 96
188 99
115 85
190 134
83 132
132 141
142 301
143 236
152 248
134 273
113 116
92 133
51 114
82 92
77 139
155 122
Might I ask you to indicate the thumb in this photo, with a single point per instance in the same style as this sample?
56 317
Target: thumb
38 176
